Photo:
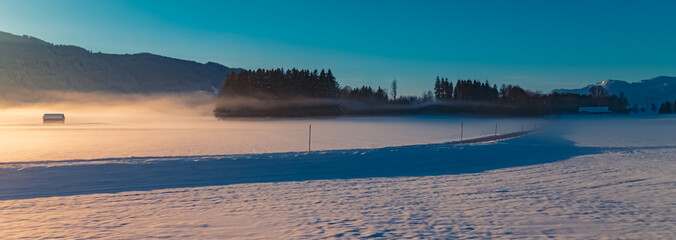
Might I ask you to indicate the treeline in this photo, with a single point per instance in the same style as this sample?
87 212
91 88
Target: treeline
366 94
667 108
555 103
443 89
279 84
530 102
469 90
294 92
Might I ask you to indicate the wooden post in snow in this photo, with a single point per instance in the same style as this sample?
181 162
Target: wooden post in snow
496 129
461 129
309 139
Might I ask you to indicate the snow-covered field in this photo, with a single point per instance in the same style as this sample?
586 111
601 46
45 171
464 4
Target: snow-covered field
95 136
587 177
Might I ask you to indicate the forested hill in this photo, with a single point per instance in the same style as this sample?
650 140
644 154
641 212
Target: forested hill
30 63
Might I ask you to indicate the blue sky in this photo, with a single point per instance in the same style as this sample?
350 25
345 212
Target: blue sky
540 45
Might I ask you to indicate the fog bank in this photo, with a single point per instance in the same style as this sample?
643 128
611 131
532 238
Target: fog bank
97 107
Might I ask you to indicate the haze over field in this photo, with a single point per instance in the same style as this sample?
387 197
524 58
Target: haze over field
114 125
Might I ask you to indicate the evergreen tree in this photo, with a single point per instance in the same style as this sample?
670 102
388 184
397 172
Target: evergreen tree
668 109
443 87
665 108
280 84
394 89
437 89
448 90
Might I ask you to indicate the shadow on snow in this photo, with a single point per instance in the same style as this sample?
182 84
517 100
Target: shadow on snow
139 174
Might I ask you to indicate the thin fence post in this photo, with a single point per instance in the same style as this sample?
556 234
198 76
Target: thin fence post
496 129
309 139
462 128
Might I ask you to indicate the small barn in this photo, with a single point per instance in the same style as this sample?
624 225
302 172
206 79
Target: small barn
594 110
53 118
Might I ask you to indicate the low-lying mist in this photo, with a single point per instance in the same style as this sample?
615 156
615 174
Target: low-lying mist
99 107
309 107
105 125
238 106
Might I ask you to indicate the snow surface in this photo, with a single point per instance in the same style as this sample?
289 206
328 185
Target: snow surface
95 136
585 178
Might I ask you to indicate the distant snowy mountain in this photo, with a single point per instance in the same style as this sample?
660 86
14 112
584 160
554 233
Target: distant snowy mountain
30 63
656 90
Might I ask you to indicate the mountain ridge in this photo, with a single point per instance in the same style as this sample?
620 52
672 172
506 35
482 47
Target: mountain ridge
655 90
31 63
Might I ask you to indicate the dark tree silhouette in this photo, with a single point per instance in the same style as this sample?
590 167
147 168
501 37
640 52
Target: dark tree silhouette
274 86
443 89
437 89
278 84
394 89
365 94
473 90
665 108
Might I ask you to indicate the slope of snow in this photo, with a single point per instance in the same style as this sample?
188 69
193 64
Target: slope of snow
54 178
609 178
